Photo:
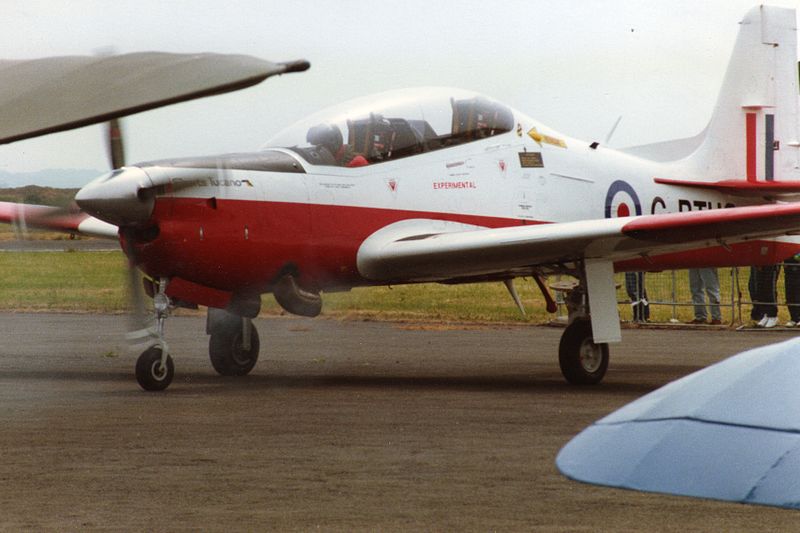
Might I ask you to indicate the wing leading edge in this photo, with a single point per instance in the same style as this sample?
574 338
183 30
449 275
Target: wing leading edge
430 250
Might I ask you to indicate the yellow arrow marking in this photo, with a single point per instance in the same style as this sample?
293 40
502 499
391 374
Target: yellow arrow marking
541 137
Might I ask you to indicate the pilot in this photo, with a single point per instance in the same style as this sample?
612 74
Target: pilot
329 137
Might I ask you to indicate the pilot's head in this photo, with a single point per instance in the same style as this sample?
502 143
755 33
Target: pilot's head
325 135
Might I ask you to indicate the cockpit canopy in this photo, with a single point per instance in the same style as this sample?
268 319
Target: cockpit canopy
394 125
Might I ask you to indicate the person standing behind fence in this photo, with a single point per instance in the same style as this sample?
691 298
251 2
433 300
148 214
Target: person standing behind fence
634 286
791 279
764 295
700 280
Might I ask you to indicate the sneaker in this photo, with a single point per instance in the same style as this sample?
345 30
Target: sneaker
763 322
698 321
771 322
715 322
790 324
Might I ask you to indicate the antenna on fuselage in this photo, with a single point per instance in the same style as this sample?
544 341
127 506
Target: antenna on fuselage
613 129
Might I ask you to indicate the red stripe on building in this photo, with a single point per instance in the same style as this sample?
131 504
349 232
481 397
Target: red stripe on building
750 132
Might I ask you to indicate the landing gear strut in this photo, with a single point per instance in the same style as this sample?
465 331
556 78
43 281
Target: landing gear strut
154 368
582 361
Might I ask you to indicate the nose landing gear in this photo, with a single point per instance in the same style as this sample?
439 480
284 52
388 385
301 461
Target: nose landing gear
154 367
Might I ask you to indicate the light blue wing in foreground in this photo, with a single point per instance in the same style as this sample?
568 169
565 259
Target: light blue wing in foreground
728 432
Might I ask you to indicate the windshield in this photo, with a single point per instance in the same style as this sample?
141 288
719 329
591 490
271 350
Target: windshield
393 125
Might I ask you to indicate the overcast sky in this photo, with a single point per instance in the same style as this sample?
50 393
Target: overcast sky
574 65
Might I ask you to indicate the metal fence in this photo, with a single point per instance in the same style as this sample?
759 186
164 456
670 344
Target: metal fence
670 298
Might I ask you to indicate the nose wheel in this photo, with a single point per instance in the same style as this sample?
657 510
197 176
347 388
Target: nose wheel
154 372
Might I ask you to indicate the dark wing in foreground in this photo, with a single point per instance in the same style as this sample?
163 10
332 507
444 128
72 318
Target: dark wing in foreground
53 94
728 432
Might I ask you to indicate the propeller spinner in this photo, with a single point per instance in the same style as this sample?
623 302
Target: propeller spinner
120 197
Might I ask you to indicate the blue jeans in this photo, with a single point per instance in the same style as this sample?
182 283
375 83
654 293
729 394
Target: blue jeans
700 280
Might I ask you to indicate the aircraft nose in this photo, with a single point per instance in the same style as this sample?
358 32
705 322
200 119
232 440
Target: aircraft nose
119 197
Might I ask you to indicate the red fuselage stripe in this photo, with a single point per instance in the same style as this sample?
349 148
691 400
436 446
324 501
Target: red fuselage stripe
245 244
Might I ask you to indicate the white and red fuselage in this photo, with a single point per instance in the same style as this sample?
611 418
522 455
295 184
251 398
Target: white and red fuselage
235 222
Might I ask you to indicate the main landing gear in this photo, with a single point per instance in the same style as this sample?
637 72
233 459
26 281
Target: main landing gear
233 345
582 361
232 348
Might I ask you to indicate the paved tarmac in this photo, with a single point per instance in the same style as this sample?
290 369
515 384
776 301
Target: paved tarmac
342 426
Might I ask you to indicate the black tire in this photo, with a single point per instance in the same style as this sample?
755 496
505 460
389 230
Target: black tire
226 353
149 373
582 361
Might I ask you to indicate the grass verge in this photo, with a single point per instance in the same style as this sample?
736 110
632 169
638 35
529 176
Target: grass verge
96 282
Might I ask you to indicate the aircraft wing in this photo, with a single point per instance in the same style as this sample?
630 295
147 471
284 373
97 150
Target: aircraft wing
429 250
53 94
56 219
728 432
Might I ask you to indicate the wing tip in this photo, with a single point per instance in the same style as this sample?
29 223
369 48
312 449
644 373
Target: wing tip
298 65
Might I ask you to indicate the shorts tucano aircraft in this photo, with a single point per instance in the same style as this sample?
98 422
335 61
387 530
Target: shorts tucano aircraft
445 185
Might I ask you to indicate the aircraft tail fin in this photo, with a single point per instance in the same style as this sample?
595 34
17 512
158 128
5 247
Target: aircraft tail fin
753 132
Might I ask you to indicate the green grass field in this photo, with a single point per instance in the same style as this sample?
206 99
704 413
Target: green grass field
97 282
63 281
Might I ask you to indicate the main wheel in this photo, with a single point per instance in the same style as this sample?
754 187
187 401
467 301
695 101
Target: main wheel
228 357
149 373
582 361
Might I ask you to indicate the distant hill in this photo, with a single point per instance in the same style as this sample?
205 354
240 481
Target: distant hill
33 194
57 177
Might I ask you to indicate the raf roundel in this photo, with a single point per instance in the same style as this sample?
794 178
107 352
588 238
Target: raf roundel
622 201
